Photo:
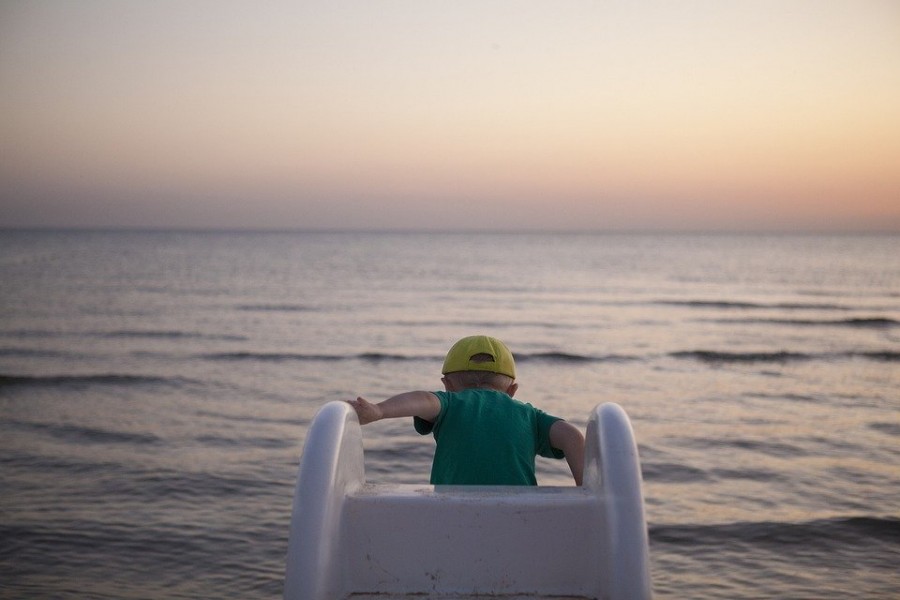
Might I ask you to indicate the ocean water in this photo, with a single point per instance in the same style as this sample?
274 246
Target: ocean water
156 389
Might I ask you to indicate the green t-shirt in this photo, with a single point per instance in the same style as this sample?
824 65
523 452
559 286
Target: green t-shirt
484 437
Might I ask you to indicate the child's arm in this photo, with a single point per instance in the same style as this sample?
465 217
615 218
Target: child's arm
568 438
409 404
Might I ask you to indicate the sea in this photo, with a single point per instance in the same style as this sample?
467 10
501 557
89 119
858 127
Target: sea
157 387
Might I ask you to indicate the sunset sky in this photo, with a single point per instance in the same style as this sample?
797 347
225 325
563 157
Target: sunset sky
451 115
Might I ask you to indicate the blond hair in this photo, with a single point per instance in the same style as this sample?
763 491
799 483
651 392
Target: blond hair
480 379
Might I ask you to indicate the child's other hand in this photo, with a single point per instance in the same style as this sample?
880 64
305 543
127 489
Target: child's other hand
366 411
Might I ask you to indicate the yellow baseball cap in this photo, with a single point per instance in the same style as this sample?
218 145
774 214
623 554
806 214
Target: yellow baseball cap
459 358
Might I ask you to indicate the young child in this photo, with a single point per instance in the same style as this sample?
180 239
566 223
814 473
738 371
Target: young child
483 436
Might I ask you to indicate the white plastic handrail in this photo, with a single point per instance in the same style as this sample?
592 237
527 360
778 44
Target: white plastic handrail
349 538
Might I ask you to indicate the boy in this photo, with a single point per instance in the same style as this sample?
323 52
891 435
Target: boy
483 436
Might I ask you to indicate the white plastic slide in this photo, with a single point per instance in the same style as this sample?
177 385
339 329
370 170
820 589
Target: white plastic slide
354 540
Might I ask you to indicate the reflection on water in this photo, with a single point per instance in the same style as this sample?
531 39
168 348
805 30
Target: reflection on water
155 391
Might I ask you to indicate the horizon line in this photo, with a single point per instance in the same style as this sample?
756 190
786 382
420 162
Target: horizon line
448 231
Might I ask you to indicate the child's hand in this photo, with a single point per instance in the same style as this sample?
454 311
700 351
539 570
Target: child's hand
366 411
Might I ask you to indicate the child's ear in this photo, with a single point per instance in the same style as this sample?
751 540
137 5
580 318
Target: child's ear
511 390
447 385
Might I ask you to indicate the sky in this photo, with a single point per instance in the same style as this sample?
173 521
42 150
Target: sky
459 115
